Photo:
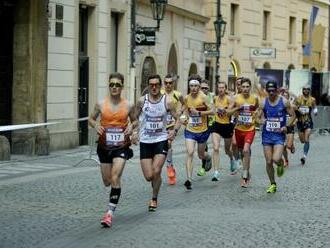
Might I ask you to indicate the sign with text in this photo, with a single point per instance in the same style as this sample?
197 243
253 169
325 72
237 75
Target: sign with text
210 49
262 53
145 37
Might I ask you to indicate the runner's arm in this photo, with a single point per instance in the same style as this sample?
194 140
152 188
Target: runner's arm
92 120
171 108
290 111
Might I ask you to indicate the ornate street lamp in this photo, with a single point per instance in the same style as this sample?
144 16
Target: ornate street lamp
158 10
220 28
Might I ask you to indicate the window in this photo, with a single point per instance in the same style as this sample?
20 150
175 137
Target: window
304 31
233 19
292 30
114 41
59 20
266 25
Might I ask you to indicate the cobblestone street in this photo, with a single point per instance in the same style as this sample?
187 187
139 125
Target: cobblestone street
47 202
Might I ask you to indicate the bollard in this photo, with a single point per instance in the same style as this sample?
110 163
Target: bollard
42 142
4 148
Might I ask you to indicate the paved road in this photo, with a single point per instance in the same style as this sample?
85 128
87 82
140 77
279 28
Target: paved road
47 202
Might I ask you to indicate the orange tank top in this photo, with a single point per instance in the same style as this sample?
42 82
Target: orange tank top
114 122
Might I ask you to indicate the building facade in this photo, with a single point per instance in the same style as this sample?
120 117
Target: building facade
89 39
269 34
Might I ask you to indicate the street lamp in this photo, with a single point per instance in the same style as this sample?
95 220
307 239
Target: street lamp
158 10
220 28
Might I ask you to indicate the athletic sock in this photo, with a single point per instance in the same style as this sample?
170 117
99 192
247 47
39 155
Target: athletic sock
306 148
114 198
169 157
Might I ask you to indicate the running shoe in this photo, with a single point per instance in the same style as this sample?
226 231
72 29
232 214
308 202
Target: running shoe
271 188
187 184
201 172
293 149
216 176
286 163
208 164
152 206
171 175
106 220
243 183
303 160
280 168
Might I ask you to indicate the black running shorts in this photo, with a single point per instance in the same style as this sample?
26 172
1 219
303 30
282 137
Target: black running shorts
150 150
226 131
107 156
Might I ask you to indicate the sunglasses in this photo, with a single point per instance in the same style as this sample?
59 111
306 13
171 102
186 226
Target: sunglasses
170 83
204 88
154 85
306 89
117 85
270 90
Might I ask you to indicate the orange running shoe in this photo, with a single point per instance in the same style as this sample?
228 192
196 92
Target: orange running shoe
170 171
152 206
107 220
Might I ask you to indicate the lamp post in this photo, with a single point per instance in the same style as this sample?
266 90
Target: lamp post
220 28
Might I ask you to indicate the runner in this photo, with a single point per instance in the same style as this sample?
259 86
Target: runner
152 111
196 111
113 149
246 105
289 143
274 109
305 105
222 128
210 120
177 99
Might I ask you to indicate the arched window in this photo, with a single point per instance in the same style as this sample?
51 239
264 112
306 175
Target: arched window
266 65
172 63
192 70
148 68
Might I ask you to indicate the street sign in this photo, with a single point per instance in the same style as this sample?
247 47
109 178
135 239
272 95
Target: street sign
210 49
145 38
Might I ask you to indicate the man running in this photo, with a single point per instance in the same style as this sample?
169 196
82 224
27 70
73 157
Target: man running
113 149
196 110
210 120
305 105
222 128
274 109
246 105
177 100
152 111
289 143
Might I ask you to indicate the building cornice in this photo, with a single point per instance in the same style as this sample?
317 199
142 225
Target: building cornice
182 12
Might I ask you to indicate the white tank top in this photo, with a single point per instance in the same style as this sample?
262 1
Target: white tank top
153 121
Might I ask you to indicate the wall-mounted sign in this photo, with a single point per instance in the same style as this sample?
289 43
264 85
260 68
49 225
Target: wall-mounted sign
210 49
269 53
145 37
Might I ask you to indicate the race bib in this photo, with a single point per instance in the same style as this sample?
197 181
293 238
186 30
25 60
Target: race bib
273 125
154 124
114 136
195 121
244 118
304 109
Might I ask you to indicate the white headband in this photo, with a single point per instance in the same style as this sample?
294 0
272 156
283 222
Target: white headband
194 82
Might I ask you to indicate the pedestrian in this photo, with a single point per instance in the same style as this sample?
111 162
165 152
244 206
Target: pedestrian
245 104
305 106
197 109
273 110
222 128
151 111
114 129
177 99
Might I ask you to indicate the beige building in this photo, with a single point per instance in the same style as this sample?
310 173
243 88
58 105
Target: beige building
269 34
88 39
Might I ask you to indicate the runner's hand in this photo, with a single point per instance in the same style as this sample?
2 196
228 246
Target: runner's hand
135 138
284 130
99 129
129 130
171 135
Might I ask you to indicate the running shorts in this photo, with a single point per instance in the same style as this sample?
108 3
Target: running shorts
107 156
243 137
199 137
226 131
149 150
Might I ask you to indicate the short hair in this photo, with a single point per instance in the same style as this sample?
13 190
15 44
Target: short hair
154 76
118 76
195 77
205 81
246 80
222 82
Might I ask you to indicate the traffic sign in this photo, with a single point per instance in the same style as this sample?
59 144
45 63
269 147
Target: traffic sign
210 49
